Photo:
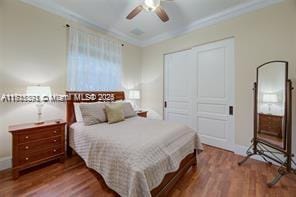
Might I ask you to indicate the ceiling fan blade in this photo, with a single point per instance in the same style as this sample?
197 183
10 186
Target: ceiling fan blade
162 14
135 12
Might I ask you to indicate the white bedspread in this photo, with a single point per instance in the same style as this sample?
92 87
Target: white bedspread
133 156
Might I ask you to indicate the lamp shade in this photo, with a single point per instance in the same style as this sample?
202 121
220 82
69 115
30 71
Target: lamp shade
41 91
134 94
270 98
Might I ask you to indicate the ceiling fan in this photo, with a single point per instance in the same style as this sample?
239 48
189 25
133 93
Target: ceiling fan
151 6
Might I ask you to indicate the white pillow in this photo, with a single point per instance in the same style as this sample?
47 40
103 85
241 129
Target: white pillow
78 112
128 110
93 113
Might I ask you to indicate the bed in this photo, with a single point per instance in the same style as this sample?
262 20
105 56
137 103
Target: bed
135 157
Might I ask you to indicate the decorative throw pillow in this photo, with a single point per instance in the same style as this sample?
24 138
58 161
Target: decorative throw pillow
114 112
93 113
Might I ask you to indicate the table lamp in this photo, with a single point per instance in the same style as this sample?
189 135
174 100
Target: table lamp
270 99
44 93
134 95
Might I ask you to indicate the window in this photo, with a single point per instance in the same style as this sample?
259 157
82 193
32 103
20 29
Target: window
94 62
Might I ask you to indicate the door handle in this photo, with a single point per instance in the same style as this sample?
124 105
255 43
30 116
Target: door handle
165 104
231 110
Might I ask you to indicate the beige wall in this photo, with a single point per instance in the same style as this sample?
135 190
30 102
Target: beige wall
260 36
34 45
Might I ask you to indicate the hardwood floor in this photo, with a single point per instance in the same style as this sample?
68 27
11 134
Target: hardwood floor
216 174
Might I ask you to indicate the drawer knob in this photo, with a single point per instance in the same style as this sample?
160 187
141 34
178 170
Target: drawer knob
27 137
54 150
54 140
27 158
27 147
54 131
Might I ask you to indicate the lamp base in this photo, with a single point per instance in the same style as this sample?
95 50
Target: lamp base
39 114
39 123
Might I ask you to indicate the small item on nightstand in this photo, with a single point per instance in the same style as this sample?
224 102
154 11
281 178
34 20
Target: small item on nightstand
142 113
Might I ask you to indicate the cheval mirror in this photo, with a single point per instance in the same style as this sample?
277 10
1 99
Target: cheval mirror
272 117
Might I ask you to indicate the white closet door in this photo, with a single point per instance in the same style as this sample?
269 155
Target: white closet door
214 93
178 87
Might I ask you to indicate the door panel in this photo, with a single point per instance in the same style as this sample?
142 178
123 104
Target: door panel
178 117
178 87
214 128
211 71
214 64
211 108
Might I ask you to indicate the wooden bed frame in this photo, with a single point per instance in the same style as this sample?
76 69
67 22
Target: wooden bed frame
169 180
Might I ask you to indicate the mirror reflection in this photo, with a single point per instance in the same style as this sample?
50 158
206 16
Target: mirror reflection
271 92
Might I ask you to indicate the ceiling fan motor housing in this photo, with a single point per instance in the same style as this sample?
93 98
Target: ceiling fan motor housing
151 5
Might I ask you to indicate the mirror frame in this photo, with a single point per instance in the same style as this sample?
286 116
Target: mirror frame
284 148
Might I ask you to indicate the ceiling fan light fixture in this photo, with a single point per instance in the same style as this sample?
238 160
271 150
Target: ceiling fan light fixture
151 5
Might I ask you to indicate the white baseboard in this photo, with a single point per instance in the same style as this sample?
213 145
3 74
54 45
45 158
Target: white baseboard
241 150
5 163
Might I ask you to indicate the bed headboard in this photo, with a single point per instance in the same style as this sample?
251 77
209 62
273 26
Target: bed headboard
88 97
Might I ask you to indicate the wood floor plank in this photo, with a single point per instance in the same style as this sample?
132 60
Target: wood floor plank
216 174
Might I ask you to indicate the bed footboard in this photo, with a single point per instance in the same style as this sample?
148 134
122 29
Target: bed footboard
171 179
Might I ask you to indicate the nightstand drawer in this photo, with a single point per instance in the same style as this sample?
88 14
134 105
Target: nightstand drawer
40 155
270 124
142 114
30 136
40 145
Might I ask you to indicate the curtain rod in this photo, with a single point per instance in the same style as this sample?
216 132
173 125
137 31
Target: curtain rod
67 26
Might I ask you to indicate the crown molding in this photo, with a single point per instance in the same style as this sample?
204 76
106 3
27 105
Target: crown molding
198 24
65 13
214 19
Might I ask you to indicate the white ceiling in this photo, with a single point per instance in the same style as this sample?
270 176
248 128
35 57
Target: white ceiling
185 15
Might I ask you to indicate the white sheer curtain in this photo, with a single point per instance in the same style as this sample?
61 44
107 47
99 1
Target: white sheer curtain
94 62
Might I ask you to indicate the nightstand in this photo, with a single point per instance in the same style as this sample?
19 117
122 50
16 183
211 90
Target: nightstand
34 144
271 124
142 114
